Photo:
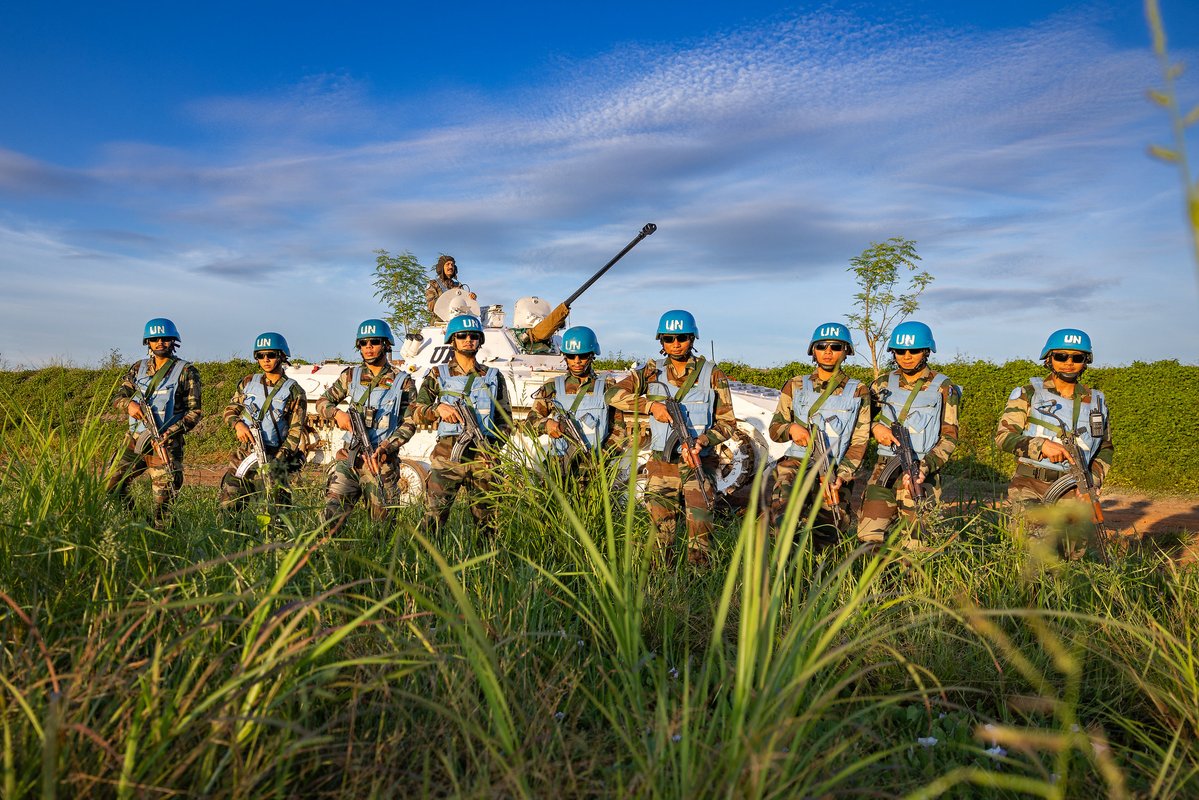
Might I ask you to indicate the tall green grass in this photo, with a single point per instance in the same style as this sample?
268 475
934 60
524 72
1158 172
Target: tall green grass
566 657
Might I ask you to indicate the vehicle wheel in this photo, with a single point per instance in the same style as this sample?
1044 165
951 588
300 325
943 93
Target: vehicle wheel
412 482
738 459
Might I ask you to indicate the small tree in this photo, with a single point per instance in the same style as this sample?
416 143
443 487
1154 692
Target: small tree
400 285
879 306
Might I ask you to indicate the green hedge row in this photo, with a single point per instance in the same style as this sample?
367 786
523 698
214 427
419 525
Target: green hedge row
1155 424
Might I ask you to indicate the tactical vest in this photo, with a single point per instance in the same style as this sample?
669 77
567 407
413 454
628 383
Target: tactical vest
590 410
162 402
699 406
477 392
923 419
386 404
1040 424
273 417
835 416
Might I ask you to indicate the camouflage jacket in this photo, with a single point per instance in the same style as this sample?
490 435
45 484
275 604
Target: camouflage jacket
424 407
529 345
543 406
187 398
326 406
780 423
1010 438
295 409
631 396
436 288
951 397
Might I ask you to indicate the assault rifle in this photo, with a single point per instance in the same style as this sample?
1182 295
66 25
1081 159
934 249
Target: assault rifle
572 432
257 454
158 443
1078 477
360 445
471 432
677 436
905 462
822 461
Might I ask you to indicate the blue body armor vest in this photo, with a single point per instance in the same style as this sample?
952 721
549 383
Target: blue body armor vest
387 403
591 413
274 422
836 416
162 402
481 398
699 406
1036 424
923 420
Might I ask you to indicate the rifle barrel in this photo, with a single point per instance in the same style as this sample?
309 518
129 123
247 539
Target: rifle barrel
648 229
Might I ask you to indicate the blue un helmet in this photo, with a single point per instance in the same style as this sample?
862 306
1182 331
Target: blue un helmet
678 321
831 332
271 341
160 328
374 329
1068 339
579 341
912 335
464 323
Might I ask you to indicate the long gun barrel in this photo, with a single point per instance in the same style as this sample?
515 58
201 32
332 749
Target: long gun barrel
153 434
576 441
822 460
680 435
906 461
543 330
362 444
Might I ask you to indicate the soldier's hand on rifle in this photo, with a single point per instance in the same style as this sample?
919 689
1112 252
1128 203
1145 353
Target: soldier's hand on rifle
882 435
135 411
448 413
1055 452
690 455
659 412
242 430
907 482
553 429
832 491
799 434
342 420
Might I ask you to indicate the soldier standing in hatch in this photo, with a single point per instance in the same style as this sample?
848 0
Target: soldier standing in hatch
446 279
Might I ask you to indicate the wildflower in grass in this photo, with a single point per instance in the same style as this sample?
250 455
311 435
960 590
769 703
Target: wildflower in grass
559 715
995 752
673 673
678 737
927 741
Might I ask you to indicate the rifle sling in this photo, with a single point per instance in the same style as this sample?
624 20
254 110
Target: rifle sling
578 399
270 396
903 413
159 376
833 382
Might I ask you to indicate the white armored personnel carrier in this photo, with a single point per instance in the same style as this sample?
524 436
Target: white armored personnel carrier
525 373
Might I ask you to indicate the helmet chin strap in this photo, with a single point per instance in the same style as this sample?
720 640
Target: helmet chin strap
916 369
378 360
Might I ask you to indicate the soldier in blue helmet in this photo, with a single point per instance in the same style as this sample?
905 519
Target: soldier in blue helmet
832 408
165 389
383 394
276 406
1033 437
702 389
926 403
463 385
580 394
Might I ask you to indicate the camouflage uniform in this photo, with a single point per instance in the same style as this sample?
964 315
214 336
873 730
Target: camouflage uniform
129 463
673 486
474 471
828 525
285 458
1030 483
881 504
544 406
348 480
529 345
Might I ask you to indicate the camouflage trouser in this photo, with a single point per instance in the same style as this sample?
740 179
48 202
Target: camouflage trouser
1024 491
347 482
881 506
829 524
672 488
236 492
446 477
166 479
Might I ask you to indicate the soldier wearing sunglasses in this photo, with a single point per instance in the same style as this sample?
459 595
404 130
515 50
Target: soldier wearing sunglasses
383 395
483 392
277 406
926 403
168 388
580 393
829 404
703 392
1034 437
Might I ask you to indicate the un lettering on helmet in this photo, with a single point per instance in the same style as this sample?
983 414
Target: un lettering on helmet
674 324
265 341
365 329
1071 338
832 330
157 330
906 338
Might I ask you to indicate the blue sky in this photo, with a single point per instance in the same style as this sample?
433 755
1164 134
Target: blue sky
234 166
